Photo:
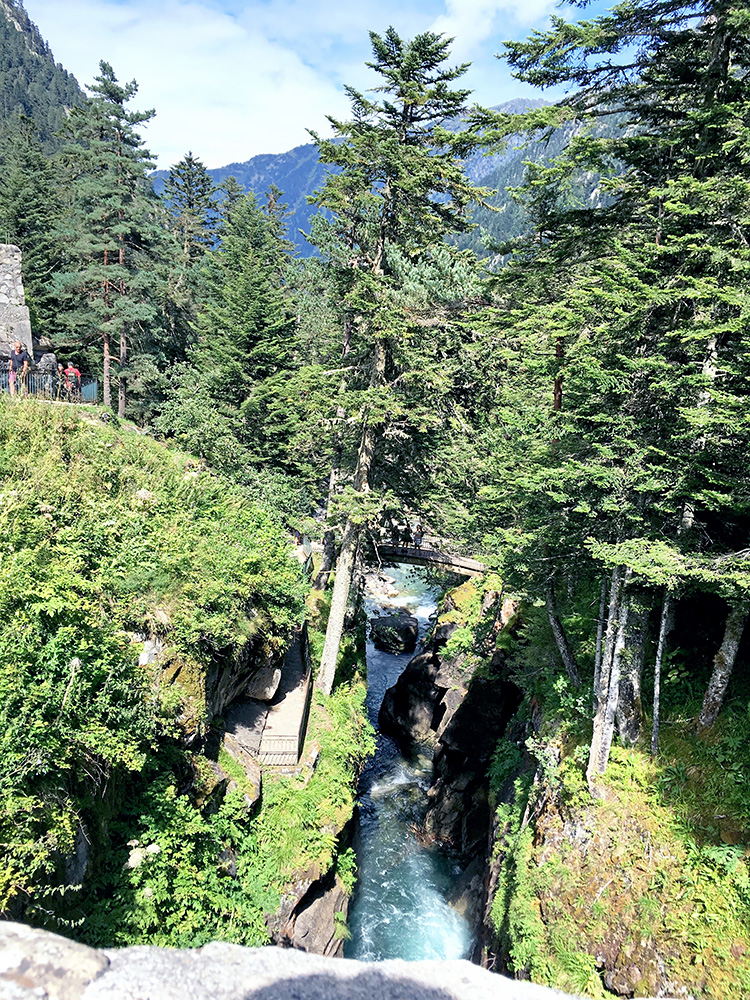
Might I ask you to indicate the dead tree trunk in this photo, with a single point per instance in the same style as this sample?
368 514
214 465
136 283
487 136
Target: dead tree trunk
558 632
599 638
723 664
629 704
665 627
613 695
601 693
329 538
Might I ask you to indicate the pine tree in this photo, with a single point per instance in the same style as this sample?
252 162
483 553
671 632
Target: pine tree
189 192
633 325
396 193
110 232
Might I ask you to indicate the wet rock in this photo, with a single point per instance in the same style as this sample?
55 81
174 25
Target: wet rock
77 863
320 921
381 586
467 892
407 710
395 633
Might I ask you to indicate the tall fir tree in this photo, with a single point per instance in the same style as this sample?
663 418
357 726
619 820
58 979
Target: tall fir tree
397 191
110 232
189 192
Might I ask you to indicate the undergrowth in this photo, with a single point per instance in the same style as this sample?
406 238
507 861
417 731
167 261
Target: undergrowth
108 534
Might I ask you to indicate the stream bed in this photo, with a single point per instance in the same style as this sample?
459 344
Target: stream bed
400 908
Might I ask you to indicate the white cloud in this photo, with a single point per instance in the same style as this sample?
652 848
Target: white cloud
219 85
233 78
472 22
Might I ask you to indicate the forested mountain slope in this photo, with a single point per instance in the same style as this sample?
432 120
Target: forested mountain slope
298 173
31 82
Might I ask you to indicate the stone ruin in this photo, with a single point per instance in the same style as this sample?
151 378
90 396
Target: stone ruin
15 322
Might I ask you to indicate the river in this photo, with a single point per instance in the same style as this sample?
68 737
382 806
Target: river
399 909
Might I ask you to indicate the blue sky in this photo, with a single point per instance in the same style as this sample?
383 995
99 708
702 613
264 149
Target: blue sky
233 78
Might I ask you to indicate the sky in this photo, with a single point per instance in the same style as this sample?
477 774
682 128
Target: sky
233 78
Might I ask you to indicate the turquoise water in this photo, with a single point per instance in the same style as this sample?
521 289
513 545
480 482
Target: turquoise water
399 909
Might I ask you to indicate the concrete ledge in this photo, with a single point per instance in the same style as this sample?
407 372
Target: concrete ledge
44 966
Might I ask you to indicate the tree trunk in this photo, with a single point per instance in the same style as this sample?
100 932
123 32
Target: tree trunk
558 632
599 639
601 692
345 562
665 627
326 564
613 695
329 538
557 387
723 664
122 387
629 704
107 371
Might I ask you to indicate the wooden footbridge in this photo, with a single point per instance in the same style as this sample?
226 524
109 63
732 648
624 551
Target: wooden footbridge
429 556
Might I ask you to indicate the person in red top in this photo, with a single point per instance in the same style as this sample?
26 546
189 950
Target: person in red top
72 381
18 365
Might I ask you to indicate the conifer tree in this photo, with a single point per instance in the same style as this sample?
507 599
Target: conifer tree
30 205
396 193
245 335
110 233
189 192
633 325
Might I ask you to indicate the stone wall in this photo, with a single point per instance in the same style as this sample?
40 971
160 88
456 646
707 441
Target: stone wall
15 323
37 965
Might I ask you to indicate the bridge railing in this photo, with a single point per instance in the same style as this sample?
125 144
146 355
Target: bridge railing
50 386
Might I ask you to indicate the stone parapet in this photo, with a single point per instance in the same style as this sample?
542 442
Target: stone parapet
35 965
15 322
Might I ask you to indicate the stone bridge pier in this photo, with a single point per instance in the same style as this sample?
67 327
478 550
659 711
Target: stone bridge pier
15 322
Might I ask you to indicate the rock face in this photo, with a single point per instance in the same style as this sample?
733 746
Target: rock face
395 633
15 322
37 965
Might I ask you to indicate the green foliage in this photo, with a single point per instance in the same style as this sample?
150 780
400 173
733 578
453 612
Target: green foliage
346 869
107 286
30 206
505 762
181 879
31 82
109 534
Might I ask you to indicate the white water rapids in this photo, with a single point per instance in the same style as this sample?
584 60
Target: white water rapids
399 909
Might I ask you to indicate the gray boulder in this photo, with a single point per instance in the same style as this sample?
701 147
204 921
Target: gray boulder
395 633
37 965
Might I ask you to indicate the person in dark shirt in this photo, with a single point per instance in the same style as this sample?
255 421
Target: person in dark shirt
18 365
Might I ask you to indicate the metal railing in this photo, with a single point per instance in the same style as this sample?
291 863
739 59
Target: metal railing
48 385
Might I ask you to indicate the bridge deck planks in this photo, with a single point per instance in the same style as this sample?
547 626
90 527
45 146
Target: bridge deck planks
425 557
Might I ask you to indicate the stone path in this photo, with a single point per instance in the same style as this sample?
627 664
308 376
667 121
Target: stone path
275 732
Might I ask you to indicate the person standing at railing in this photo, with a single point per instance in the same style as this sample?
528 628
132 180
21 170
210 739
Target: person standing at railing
72 381
18 366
